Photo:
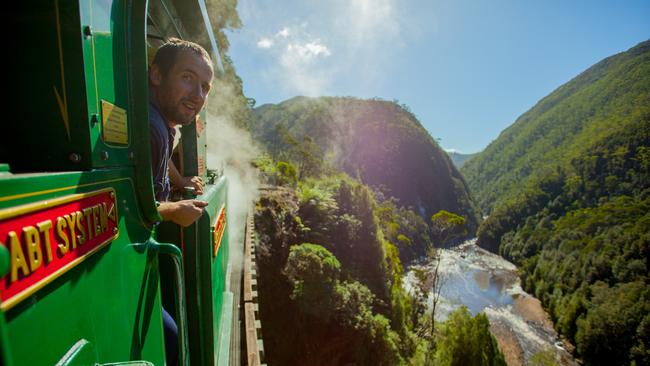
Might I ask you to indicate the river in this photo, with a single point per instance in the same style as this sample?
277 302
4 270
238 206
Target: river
485 282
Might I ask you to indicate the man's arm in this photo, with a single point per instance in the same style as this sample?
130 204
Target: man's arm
180 181
183 213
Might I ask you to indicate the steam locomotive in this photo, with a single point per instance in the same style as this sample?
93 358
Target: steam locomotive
85 264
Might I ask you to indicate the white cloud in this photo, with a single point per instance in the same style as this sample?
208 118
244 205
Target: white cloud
298 60
265 43
284 32
304 52
317 49
301 67
329 43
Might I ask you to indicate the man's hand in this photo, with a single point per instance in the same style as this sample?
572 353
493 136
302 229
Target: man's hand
195 182
180 182
183 213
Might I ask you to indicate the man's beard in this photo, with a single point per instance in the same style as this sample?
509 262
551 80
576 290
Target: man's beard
177 117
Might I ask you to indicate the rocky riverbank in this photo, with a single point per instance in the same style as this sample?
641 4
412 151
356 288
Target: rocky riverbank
485 282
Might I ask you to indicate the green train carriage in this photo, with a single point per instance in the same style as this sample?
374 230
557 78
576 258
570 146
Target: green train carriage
85 266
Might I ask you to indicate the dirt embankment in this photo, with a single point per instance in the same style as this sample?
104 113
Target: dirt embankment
531 311
508 344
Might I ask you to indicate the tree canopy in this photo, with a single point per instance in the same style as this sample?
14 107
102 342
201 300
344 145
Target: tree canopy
567 189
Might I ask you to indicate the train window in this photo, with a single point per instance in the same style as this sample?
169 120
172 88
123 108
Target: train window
162 23
48 90
74 89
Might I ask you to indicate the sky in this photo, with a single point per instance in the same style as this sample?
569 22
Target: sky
466 69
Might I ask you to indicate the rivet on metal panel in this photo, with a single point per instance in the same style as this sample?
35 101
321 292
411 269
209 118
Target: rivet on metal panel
75 158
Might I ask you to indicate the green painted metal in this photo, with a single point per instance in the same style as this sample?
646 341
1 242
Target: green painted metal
138 84
209 302
193 148
4 261
176 259
106 69
80 54
107 309
5 351
81 353
225 333
112 299
205 277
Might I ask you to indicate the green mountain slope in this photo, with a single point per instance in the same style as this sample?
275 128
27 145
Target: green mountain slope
331 249
378 142
580 114
567 190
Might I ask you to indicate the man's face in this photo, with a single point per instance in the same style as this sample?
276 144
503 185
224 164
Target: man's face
181 94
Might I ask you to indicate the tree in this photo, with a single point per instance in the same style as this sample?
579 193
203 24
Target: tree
313 271
467 341
436 285
609 331
286 174
445 226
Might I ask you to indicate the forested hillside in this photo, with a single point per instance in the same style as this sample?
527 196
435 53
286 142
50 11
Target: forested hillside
379 142
579 115
332 249
567 190
330 283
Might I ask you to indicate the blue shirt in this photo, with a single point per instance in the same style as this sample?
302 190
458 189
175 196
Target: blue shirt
162 142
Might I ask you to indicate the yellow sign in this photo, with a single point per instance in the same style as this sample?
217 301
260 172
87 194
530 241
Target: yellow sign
217 232
114 125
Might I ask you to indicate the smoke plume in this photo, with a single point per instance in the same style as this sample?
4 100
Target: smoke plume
232 149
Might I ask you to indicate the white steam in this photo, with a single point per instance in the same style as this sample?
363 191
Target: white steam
343 117
232 149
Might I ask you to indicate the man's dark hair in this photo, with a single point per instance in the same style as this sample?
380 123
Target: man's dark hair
167 53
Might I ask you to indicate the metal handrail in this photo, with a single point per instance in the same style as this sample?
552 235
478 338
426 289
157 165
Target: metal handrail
176 256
